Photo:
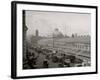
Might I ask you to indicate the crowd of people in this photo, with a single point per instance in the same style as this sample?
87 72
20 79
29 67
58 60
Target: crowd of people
50 57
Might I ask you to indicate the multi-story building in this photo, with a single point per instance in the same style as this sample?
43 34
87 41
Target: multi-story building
78 46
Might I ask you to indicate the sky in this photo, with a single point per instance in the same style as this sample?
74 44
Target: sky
67 23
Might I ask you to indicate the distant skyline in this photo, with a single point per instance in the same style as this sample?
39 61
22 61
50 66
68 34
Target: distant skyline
67 23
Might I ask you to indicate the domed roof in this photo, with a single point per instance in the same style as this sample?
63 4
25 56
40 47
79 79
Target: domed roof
57 33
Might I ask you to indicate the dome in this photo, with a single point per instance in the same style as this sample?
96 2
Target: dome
57 33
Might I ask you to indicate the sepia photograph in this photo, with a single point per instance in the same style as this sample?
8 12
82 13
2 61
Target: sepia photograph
56 39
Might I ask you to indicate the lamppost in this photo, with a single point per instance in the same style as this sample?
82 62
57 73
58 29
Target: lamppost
53 40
